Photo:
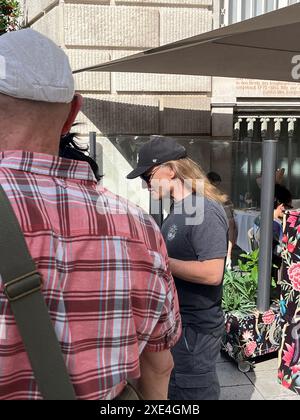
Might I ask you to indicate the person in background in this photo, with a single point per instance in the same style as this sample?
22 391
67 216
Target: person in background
69 149
196 233
215 179
282 202
279 176
107 281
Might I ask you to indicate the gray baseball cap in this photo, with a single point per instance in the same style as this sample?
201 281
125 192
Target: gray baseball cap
34 67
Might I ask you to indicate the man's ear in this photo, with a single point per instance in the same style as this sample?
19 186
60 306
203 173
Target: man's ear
76 105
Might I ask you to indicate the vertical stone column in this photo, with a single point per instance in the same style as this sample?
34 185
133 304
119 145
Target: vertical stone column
291 130
264 127
277 127
250 133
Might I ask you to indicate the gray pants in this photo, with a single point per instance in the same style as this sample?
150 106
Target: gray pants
194 375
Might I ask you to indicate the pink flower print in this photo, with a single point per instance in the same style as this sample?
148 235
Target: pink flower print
288 354
268 318
250 348
247 336
295 369
291 247
286 384
292 220
294 276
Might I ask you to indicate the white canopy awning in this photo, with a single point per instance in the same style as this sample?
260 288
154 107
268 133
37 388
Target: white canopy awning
258 48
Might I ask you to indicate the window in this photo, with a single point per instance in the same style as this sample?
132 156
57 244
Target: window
233 11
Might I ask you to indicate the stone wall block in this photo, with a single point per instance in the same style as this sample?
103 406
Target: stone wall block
147 82
49 25
198 3
111 26
180 23
34 8
115 114
89 81
185 115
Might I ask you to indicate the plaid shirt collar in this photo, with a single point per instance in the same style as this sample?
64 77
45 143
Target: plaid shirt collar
48 165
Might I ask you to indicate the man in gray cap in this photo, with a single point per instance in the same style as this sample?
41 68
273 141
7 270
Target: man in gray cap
110 294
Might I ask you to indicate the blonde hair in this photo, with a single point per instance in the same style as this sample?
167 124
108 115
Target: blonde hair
187 170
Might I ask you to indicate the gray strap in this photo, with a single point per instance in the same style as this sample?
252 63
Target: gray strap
22 286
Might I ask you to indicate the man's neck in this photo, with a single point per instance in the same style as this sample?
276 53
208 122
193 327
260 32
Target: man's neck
35 142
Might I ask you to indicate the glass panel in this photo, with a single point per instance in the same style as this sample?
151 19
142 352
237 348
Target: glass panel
289 157
246 9
233 9
258 7
270 5
237 162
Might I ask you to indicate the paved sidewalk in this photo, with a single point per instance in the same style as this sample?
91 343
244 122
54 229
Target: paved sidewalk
259 384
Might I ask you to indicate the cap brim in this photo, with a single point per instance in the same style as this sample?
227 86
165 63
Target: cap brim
140 170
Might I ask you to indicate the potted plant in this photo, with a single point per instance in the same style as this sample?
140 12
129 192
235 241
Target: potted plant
10 12
248 333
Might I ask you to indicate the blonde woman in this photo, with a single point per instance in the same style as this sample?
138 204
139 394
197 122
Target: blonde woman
196 235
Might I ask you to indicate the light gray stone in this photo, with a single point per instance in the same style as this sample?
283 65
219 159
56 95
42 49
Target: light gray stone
267 365
229 375
179 23
118 114
145 82
285 398
266 88
185 114
199 3
34 8
239 393
50 25
89 81
266 383
111 26
92 82
222 121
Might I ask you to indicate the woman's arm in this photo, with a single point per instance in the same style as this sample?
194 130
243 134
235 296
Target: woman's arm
200 272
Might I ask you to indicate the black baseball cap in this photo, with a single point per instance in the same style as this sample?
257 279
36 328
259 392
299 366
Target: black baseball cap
155 152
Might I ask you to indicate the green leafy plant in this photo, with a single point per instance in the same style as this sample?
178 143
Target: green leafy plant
239 292
10 11
250 264
240 286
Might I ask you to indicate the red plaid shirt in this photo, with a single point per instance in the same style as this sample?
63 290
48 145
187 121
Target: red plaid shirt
107 284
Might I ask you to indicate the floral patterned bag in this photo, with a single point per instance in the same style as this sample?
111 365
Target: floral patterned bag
289 353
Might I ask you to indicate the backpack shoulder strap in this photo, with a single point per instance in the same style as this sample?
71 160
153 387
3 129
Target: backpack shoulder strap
22 286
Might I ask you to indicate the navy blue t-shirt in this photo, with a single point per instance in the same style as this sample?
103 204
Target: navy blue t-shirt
198 232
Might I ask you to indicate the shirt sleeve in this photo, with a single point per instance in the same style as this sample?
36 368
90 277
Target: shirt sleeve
210 238
167 330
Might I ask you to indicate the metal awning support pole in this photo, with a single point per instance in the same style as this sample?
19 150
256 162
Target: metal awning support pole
92 137
291 128
266 224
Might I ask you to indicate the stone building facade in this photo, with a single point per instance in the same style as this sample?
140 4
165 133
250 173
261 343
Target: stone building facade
126 109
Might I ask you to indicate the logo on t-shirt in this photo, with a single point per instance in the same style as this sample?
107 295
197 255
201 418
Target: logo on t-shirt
172 232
